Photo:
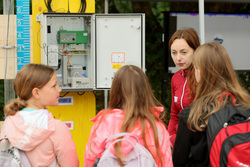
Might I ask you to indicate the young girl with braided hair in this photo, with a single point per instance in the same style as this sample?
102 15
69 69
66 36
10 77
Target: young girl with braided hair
30 127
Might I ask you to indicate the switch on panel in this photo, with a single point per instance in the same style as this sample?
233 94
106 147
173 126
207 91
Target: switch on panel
53 55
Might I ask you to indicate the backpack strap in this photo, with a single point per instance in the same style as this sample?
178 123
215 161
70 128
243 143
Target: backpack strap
230 94
16 154
125 134
121 135
5 144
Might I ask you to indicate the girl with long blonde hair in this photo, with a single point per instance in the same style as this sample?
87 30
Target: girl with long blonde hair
217 84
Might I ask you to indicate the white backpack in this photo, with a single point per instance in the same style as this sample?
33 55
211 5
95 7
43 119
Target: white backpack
139 156
11 156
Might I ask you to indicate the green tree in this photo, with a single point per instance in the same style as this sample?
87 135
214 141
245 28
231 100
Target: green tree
154 45
154 29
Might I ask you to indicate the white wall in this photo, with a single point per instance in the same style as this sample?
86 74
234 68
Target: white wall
233 29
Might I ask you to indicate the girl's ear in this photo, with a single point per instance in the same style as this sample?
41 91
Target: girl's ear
35 93
199 72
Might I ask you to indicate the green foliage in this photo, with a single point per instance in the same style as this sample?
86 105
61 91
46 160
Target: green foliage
99 6
154 48
153 45
123 7
99 94
245 79
1 6
158 8
245 8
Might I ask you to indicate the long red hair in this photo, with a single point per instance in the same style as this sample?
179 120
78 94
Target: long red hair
192 39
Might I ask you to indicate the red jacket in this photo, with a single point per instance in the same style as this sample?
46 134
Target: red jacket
180 100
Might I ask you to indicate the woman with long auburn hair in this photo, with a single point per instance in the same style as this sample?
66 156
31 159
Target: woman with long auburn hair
134 109
217 86
182 45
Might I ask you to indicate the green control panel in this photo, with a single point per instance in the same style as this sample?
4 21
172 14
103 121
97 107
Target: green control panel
73 37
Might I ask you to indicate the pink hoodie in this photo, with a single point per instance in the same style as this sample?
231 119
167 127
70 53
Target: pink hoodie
41 145
111 125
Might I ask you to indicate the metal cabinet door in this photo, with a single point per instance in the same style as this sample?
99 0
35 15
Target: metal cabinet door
119 40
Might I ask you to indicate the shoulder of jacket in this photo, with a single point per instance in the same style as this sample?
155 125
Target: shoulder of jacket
177 74
112 112
183 115
177 77
60 125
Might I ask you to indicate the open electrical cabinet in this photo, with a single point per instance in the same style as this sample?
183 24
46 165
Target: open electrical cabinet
87 49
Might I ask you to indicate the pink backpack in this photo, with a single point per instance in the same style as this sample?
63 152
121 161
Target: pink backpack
139 156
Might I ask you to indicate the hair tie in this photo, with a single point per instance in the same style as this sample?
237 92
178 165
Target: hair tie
21 100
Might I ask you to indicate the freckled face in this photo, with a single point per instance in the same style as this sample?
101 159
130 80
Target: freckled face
181 53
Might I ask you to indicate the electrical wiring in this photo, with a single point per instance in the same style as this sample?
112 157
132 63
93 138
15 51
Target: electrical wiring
78 74
80 94
64 94
81 74
68 7
48 5
62 84
69 46
69 64
83 6
44 44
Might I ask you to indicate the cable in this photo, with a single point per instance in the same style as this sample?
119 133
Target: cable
48 5
80 94
59 64
44 44
83 6
64 94
68 7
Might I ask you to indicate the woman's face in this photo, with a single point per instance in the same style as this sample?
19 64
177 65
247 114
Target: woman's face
181 53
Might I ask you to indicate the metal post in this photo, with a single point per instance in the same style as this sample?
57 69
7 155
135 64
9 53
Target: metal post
106 6
202 21
105 98
106 10
8 11
166 31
